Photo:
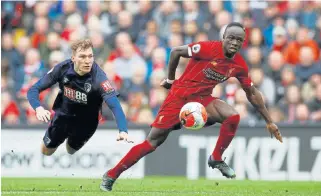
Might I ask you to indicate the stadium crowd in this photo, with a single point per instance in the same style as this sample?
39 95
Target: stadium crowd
132 42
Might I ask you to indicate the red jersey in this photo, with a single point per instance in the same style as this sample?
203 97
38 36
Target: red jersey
208 67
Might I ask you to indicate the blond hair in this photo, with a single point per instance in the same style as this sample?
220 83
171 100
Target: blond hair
82 44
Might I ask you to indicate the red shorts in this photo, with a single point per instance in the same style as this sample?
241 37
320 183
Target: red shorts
168 115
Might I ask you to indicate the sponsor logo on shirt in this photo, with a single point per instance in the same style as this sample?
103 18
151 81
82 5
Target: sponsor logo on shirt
75 96
213 75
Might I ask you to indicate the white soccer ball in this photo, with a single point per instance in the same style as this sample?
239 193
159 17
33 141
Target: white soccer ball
193 116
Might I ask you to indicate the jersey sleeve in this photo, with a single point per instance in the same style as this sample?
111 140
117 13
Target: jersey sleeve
200 50
45 82
106 90
243 76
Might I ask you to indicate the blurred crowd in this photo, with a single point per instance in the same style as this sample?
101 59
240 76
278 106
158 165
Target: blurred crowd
132 42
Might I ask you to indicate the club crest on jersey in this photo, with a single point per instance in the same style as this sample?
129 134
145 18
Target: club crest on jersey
214 63
87 87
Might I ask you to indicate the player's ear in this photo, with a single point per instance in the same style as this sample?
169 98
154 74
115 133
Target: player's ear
72 58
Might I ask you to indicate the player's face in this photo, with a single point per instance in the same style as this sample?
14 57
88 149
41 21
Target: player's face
83 60
233 40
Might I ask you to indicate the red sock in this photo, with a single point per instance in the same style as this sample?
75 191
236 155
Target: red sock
136 153
227 132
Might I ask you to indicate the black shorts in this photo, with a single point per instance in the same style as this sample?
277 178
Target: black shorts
78 131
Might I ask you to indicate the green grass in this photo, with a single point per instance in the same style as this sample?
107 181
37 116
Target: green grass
155 186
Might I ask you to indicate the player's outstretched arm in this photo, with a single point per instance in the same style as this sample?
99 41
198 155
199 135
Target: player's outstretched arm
33 94
256 99
176 53
120 117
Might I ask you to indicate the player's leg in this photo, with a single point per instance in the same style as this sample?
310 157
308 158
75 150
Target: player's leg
54 136
69 149
80 133
154 139
219 111
165 121
47 151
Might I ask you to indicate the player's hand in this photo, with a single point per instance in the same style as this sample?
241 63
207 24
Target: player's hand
42 114
164 83
274 130
123 136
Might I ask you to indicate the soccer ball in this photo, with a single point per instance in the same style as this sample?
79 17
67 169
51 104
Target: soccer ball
193 115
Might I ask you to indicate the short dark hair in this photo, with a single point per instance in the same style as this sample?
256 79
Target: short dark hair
233 24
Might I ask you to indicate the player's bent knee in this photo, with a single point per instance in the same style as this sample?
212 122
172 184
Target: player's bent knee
70 150
47 151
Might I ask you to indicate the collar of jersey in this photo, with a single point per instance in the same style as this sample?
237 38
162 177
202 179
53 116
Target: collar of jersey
71 71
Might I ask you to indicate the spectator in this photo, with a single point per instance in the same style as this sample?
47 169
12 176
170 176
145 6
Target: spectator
122 39
279 39
265 84
302 113
317 33
315 105
192 13
276 114
164 14
309 15
158 60
294 10
128 61
222 18
256 40
255 57
145 116
157 94
125 24
30 72
115 79
55 57
52 43
292 28
9 109
218 91
290 102
190 31
307 67
201 36
214 7
302 39
9 53
245 116
101 49
96 12
276 63
144 15
308 90
151 30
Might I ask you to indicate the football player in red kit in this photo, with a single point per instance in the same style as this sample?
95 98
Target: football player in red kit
211 63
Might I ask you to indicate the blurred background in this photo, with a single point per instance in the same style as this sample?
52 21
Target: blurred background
282 49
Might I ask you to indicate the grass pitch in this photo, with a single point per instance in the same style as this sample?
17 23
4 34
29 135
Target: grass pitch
155 186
